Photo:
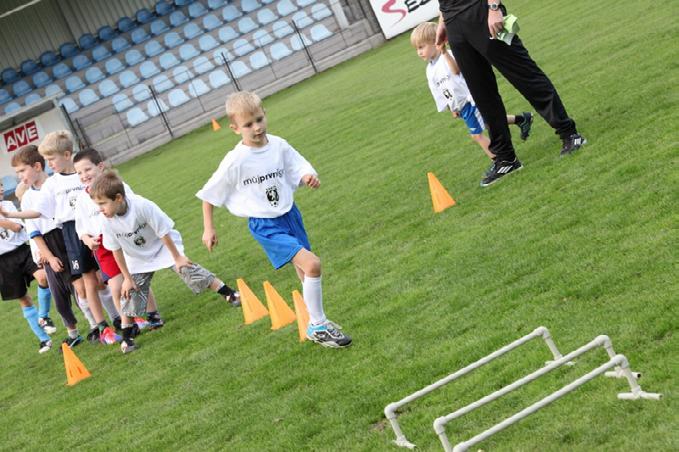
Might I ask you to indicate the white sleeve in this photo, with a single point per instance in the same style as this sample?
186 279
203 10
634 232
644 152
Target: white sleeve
80 218
157 219
296 166
9 207
109 240
221 184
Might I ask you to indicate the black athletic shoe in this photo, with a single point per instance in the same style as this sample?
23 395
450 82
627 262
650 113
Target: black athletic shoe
73 341
499 169
45 346
47 325
328 334
155 322
117 324
572 144
233 299
526 125
93 336
127 345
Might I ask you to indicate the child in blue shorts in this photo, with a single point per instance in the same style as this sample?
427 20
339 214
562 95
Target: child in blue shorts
449 88
257 180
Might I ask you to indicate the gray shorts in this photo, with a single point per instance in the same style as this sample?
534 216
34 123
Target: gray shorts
196 277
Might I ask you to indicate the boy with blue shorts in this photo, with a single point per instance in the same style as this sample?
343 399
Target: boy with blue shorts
257 180
449 88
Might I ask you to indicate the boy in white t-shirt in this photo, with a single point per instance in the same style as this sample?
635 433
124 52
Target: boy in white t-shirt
449 89
142 240
257 180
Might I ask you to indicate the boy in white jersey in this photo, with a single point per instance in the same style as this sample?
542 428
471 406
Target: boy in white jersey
257 180
142 240
17 269
449 89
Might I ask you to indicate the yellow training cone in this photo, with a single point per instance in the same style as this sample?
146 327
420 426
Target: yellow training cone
215 125
280 312
253 309
440 198
75 370
302 314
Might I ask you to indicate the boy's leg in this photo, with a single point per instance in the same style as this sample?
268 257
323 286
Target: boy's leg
484 142
132 307
309 265
153 318
198 279
524 121
31 316
44 302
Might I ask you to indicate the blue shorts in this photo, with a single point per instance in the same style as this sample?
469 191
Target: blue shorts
80 258
281 237
472 118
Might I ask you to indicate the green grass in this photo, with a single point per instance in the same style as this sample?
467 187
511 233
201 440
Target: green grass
584 245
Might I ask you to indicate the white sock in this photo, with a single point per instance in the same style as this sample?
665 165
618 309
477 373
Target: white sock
107 302
313 298
82 303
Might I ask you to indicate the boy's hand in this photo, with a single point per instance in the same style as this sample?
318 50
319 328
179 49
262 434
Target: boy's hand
91 242
311 181
210 239
182 261
456 114
127 287
55 264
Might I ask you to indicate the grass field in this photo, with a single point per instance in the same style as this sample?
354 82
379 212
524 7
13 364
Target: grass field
584 245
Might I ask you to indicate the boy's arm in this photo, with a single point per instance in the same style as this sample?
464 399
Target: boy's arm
311 180
11 225
26 214
128 282
452 64
179 259
91 242
209 232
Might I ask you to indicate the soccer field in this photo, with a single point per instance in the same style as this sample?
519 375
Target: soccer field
584 245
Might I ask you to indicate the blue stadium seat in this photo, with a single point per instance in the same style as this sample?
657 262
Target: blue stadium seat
127 79
148 69
161 83
319 32
93 75
119 44
133 57
230 13
66 50
279 51
192 30
172 40
139 35
4 96
32 99
181 3
158 27
106 33
73 83
218 78
220 54
87 97
285 7
87 41
53 90
266 2
100 53
262 37
29 67
177 97
303 3
296 43
239 69
143 16
207 42
21 88
60 70
108 88
188 51
141 92
80 62
136 116
214 4
168 60
121 102
266 16
281 29
210 22
196 10
155 108
319 11
177 18
246 24
201 65
153 48
301 19
249 5
113 65
198 87
163 8
181 74
227 33
69 104
48 59
41 79
242 47
125 24
12 107
258 60
9 75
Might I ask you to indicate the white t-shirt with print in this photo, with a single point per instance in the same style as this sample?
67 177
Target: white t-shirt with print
257 182
10 240
88 217
37 200
62 191
138 234
449 90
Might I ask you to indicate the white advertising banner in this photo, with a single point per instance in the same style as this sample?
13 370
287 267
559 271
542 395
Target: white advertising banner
397 16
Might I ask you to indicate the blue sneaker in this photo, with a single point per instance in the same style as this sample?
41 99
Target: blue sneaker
73 341
155 322
328 334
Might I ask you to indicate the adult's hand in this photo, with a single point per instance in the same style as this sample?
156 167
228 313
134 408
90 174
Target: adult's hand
495 23
441 35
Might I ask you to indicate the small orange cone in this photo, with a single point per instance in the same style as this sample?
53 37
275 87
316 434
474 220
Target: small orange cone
440 198
215 125
75 370
302 314
253 309
281 314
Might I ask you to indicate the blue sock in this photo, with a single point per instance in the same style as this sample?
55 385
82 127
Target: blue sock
44 301
31 316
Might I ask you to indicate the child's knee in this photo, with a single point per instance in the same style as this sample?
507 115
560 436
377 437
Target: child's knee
477 137
313 267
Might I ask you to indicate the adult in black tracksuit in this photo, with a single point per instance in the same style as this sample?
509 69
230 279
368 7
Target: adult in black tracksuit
468 25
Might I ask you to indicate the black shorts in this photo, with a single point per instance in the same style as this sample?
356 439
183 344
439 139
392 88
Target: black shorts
80 257
16 272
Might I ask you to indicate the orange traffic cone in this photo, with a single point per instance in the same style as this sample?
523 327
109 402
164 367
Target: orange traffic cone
302 314
75 370
215 125
253 309
440 198
281 314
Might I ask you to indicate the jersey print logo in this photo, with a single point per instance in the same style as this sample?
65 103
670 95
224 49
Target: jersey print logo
139 241
272 196
4 235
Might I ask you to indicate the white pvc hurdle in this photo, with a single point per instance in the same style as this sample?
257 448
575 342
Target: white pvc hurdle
390 410
619 362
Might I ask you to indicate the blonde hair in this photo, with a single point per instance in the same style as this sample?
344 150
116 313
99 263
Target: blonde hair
242 102
107 185
425 33
58 142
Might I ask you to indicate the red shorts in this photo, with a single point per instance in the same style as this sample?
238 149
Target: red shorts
107 263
